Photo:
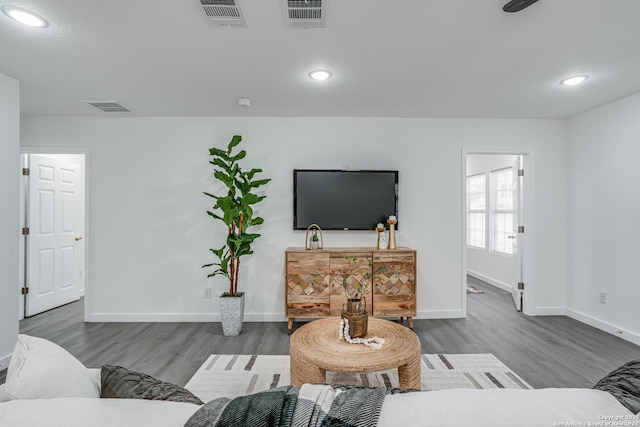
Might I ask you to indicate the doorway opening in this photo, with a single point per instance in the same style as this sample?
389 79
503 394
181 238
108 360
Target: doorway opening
53 214
494 250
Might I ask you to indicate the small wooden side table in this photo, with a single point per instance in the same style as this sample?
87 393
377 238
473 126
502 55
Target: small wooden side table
315 348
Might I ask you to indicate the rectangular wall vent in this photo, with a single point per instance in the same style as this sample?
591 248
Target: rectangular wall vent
109 106
304 13
223 12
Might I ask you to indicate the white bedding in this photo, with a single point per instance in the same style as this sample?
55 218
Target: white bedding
89 412
477 408
508 408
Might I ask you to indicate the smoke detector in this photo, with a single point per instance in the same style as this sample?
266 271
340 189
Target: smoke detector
108 106
304 13
223 12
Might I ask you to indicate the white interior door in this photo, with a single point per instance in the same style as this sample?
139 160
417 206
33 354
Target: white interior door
517 237
55 244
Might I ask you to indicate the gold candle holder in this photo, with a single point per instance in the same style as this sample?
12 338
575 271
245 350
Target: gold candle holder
392 231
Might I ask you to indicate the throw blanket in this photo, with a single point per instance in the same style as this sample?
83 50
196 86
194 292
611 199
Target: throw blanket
312 405
624 384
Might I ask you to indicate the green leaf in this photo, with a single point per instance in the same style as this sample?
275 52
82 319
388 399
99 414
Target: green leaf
224 265
225 178
210 195
218 273
218 153
250 199
250 237
252 173
234 141
225 203
241 155
220 253
248 213
258 183
214 215
219 162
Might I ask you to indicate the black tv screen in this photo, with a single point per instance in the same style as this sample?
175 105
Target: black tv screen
344 200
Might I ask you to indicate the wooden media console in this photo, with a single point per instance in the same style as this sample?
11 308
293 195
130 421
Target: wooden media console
314 289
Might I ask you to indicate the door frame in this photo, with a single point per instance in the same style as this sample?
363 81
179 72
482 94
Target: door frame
528 306
37 149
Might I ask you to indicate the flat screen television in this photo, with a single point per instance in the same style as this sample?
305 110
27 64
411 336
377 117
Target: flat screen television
344 200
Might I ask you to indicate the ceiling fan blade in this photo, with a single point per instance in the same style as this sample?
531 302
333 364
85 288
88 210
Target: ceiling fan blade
517 5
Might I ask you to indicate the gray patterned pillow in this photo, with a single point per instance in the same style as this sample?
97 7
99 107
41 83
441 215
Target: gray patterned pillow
119 382
624 384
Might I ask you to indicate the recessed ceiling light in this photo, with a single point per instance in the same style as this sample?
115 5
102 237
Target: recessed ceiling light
573 80
25 17
320 74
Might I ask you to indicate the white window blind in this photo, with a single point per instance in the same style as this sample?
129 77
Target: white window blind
502 214
476 210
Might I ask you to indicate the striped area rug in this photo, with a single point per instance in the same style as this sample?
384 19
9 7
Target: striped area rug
224 375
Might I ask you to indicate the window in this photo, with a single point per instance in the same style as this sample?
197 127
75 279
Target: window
502 215
476 210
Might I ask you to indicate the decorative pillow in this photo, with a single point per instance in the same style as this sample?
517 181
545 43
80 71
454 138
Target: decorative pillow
119 382
40 369
624 384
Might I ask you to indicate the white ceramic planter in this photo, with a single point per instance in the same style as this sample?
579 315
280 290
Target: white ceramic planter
231 313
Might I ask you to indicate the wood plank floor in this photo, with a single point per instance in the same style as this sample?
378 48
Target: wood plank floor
552 351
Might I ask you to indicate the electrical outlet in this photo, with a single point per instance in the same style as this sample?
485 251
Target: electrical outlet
207 293
603 297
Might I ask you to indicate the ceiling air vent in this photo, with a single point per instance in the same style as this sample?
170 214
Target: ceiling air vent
304 13
109 106
223 12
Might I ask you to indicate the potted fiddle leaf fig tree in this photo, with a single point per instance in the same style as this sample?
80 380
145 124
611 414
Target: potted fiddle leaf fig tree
234 208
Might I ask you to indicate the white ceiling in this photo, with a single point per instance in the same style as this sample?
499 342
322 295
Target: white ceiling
395 58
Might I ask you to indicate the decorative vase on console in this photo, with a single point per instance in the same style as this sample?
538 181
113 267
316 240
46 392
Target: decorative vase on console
355 309
314 243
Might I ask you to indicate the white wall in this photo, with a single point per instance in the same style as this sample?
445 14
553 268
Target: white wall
604 213
150 233
482 263
9 211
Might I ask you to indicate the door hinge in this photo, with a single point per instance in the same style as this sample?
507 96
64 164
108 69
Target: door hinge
521 286
520 172
25 290
25 171
25 231
521 229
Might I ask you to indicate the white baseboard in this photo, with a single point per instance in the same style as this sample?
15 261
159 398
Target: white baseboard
4 362
549 311
248 317
625 334
500 285
178 317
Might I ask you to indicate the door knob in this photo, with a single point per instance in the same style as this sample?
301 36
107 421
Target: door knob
511 237
78 238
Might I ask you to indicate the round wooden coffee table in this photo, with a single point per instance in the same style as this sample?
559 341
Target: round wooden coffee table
316 348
